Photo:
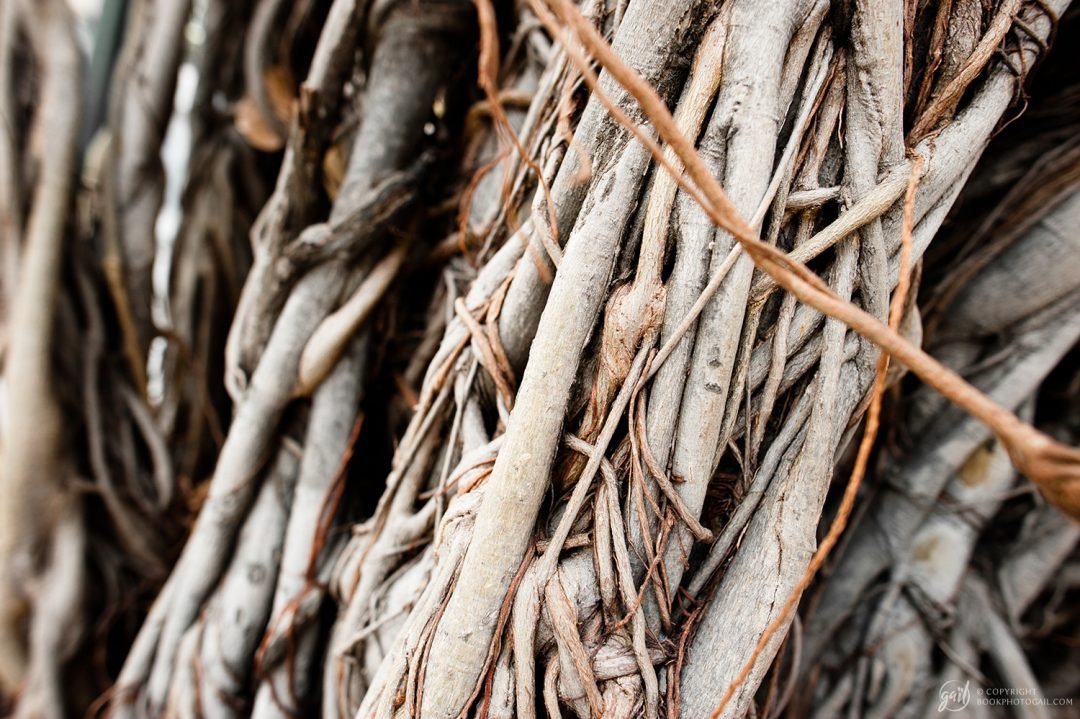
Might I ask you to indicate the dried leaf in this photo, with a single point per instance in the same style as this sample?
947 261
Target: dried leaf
333 169
279 91
251 124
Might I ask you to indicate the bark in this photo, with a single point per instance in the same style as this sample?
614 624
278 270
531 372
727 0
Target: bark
41 515
514 355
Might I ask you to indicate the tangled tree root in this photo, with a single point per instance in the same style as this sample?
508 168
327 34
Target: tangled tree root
528 392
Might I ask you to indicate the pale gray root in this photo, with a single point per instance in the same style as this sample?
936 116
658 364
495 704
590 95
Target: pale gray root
694 235
501 705
394 125
376 585
284 688
915 483
779 368
874 141
245 450
1049 331
411 49
394 676
874 133
333 335
377 554
236 614
519 479
513 312
183 701
36 504
624 192
818 71
143 90
693 232
58 615
785 526
227 610
1033 273
960 670
990 631
645 39
249 330
777 461
899 639
11 192
331 68
1044 543
747 114
777 546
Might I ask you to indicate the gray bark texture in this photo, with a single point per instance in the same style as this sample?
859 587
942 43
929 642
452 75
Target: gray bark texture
549 358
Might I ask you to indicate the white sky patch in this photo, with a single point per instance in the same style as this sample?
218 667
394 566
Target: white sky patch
175 151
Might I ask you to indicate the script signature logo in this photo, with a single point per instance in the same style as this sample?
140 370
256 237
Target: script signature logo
953 696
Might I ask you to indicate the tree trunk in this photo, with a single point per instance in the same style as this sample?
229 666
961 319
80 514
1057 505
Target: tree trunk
539 359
